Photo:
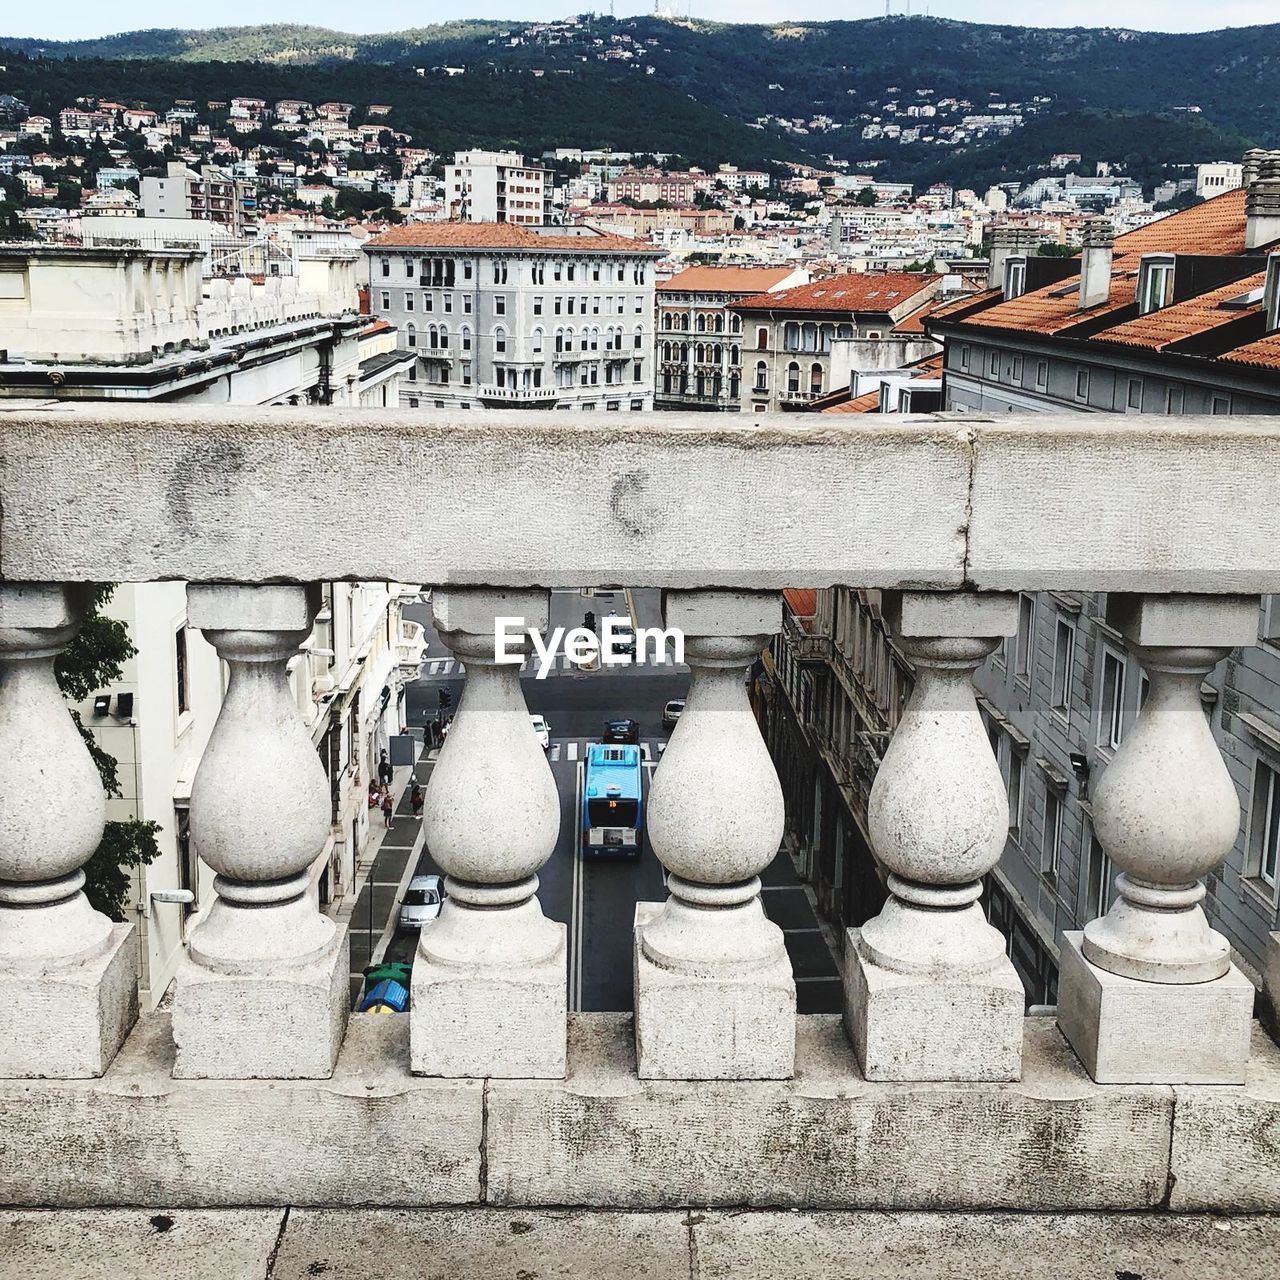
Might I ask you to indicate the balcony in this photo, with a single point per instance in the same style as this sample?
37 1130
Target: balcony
1152 1089
411 648
515 397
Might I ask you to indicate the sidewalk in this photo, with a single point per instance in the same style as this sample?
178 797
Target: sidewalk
382 875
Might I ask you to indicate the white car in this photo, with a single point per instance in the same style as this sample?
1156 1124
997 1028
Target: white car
542 731
422 901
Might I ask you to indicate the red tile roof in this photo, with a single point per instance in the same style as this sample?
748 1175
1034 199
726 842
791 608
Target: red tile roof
868 402
742 280
846 293
914 323
1262 354
503 235
803 602
1158 329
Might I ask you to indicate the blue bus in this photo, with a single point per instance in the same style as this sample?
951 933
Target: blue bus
612 806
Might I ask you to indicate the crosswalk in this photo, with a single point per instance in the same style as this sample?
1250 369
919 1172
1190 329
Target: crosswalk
443 668
570 749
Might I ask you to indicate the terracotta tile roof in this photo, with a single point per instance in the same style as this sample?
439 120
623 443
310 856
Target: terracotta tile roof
1041 312
1183 319
743 280
959 304
502 235
868 402
914 323
1262 354
846 293
930 368
803 603
1215 227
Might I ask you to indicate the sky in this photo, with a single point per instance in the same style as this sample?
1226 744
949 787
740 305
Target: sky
78 19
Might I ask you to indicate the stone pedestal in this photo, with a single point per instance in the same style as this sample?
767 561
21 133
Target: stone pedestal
491 1020
284 1024
718 1025
1127 1031
68 1023
921 1026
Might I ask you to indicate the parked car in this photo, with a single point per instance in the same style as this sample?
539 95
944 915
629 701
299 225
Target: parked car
621 731
671 713
624 636
542 731
422 901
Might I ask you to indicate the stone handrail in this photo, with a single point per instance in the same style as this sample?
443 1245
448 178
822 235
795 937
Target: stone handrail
948 517
121 493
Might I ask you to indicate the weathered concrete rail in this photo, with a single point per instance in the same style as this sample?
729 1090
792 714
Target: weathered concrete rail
138 493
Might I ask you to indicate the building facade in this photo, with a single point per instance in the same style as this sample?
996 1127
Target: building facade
700 339
207 195
802 343
497 186
502 316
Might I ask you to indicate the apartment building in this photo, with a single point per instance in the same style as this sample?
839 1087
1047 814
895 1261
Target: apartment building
651 185
508 316
209 194
497 186
700 339
1180 317
802 343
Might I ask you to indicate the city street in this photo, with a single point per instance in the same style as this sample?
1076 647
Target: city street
594 896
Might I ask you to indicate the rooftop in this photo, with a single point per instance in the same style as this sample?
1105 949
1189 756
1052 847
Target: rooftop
739 280
853 291
508 236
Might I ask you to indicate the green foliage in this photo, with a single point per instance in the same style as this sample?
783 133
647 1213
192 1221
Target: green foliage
867 198
94 659
1049 250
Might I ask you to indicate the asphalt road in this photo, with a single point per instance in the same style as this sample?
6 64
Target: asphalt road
596 897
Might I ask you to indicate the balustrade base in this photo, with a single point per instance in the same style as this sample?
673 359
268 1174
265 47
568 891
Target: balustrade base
1271 985
1127 1031
489 1020
68 1024
909 1027
741 1026
286 1024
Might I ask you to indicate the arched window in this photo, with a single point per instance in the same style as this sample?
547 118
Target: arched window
699 354
700 324
718 357
684 353
735 386
793 376
410 335
735 323
637 338
444 336
466 337
500 341
735 356
845 331
595 339
762 375
668 321
684 323
815 378
717 323
538 335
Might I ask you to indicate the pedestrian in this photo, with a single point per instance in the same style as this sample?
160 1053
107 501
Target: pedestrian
375 794
415 799
387 808
384 770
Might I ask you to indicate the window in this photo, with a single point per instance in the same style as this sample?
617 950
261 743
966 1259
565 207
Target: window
1264 828
793 377
1051 844
1015 278
410 270
1017 370
1173 400
408 302
762 339
1025 643
537 306
500 305
637 372
466 304
448 303
964 357
1017 765
466 338
762 376
1155 289
500 340
1111 712
993 364
466 270
1221 405
1082 384
410 335
1063 654
466 374
1097 893
639 304
637 338
386 266
1133 399
180 669
1042 375
537 342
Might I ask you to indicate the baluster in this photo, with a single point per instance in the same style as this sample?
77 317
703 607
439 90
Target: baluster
929 991
1148 993
715 996
68 976
264 989
489 981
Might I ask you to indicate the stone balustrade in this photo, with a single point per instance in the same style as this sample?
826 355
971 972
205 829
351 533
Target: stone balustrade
716 1085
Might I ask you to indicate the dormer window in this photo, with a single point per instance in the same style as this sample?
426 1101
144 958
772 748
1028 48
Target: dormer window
1015 277
1155 284
1271 296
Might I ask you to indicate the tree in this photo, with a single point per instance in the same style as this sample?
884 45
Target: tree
867 198
94 659
1051 250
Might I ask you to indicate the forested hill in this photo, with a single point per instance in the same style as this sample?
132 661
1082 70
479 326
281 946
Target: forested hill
754 91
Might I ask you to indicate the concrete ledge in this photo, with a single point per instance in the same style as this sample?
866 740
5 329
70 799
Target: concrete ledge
375 1135
1040 502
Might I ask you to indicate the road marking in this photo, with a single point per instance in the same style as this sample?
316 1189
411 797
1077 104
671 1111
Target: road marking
571 751
576 899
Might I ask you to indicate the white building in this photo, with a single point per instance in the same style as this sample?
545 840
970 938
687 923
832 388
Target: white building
518 317
1213 179
497 186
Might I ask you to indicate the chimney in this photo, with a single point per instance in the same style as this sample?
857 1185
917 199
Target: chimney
1095 264
1261 180
1006 243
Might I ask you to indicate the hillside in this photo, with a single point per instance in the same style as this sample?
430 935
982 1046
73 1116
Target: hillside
755 92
